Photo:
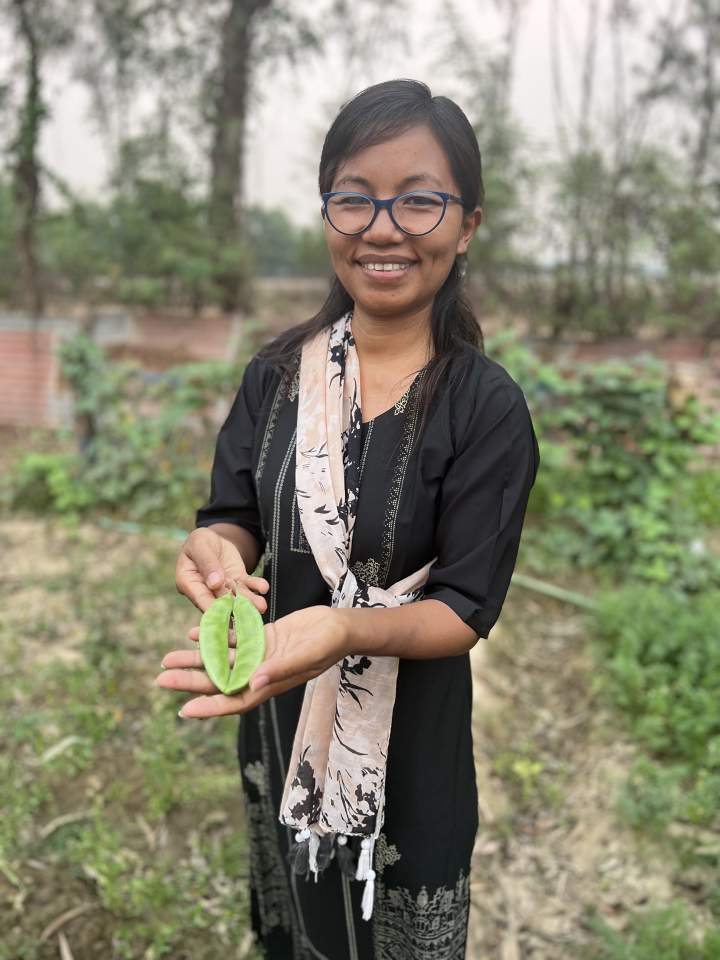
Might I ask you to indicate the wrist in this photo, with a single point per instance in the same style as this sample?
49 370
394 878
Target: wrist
355 638
343 628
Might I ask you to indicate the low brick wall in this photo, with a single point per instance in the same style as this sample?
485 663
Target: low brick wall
33 394
28 374
32 390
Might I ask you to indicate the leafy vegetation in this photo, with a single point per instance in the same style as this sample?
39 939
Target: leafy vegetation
659 934
147 445
660 667
109 800
623 476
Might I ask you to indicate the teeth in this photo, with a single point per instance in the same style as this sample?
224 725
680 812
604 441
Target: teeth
386 266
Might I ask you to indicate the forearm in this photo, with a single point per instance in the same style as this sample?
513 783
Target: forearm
421 630
246 543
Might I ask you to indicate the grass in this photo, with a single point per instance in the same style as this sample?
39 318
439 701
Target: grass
110 805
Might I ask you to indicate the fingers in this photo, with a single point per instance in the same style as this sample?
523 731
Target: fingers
200 573
192 681
184 673
220 705
205 548
247 590
260 584
208 565
217 705
194 634
188 658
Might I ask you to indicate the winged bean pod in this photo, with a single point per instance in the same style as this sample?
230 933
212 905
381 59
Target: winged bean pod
215 647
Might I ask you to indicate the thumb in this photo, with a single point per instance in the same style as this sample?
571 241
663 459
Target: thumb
216 560
201 571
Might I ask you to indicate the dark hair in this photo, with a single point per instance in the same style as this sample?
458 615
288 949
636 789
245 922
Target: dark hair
374 116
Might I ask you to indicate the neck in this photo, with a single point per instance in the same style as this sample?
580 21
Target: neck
385 340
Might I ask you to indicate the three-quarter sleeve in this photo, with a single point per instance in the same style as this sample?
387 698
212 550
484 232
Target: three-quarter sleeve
233 497
483 500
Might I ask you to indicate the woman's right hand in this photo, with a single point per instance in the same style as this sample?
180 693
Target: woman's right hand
205 562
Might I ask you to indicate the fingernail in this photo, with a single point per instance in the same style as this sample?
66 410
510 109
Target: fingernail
258 682
214 579
181 714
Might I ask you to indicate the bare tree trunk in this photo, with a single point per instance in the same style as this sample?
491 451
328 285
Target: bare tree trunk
512 10
227 156
26 170
557 81
708 22
617 232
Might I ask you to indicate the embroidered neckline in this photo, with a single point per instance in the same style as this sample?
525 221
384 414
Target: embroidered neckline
399 406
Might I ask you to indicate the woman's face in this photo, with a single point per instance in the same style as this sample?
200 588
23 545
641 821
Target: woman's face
411 161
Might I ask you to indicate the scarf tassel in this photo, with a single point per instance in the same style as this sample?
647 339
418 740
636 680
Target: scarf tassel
312 853
299 854
365 872
345 857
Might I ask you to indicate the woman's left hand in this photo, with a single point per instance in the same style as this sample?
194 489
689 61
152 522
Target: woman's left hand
298 647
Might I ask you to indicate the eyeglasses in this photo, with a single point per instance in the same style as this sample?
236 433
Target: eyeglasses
415 213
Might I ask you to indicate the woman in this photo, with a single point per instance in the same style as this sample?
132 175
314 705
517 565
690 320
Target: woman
381 464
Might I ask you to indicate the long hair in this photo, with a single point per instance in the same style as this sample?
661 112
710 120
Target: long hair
376 115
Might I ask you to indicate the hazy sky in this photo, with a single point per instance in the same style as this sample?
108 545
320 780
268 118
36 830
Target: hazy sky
295 105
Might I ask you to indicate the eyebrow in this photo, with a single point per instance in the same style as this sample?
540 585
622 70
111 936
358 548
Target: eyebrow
405 182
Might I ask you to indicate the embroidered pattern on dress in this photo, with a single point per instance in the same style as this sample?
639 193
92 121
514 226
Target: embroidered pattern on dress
396 483
266 868
367 570
386 854
294 386
401 403
269 430
421 927
255 772
368 434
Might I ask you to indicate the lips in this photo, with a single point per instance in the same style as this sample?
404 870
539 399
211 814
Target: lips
385 272
369 258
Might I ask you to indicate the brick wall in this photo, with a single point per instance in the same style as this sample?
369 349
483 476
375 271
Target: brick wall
28 375
32 390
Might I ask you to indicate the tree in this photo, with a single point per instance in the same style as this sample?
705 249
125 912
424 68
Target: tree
686 73
486 74
39 30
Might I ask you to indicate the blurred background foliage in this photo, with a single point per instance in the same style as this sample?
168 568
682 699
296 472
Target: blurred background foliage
613 232
613 229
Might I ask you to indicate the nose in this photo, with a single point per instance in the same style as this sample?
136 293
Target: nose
383 230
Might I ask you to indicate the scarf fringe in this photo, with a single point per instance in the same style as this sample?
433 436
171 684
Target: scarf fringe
311 853
365 872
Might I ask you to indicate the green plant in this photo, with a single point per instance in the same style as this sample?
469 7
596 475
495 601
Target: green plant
621 482
526 776
663 933
650 798
146 445
660 660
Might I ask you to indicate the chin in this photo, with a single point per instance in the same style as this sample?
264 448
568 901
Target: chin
384 306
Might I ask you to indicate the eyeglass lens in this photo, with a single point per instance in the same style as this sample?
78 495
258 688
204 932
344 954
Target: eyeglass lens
414 212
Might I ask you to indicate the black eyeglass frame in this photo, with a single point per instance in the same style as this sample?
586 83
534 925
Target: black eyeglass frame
388 205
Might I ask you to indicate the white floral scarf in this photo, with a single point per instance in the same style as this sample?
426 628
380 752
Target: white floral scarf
335 787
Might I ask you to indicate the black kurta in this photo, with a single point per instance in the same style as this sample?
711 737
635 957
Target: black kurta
459 493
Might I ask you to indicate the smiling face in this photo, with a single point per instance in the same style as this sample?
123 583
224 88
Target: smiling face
413 160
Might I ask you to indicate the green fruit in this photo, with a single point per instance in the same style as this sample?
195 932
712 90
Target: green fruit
214 645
